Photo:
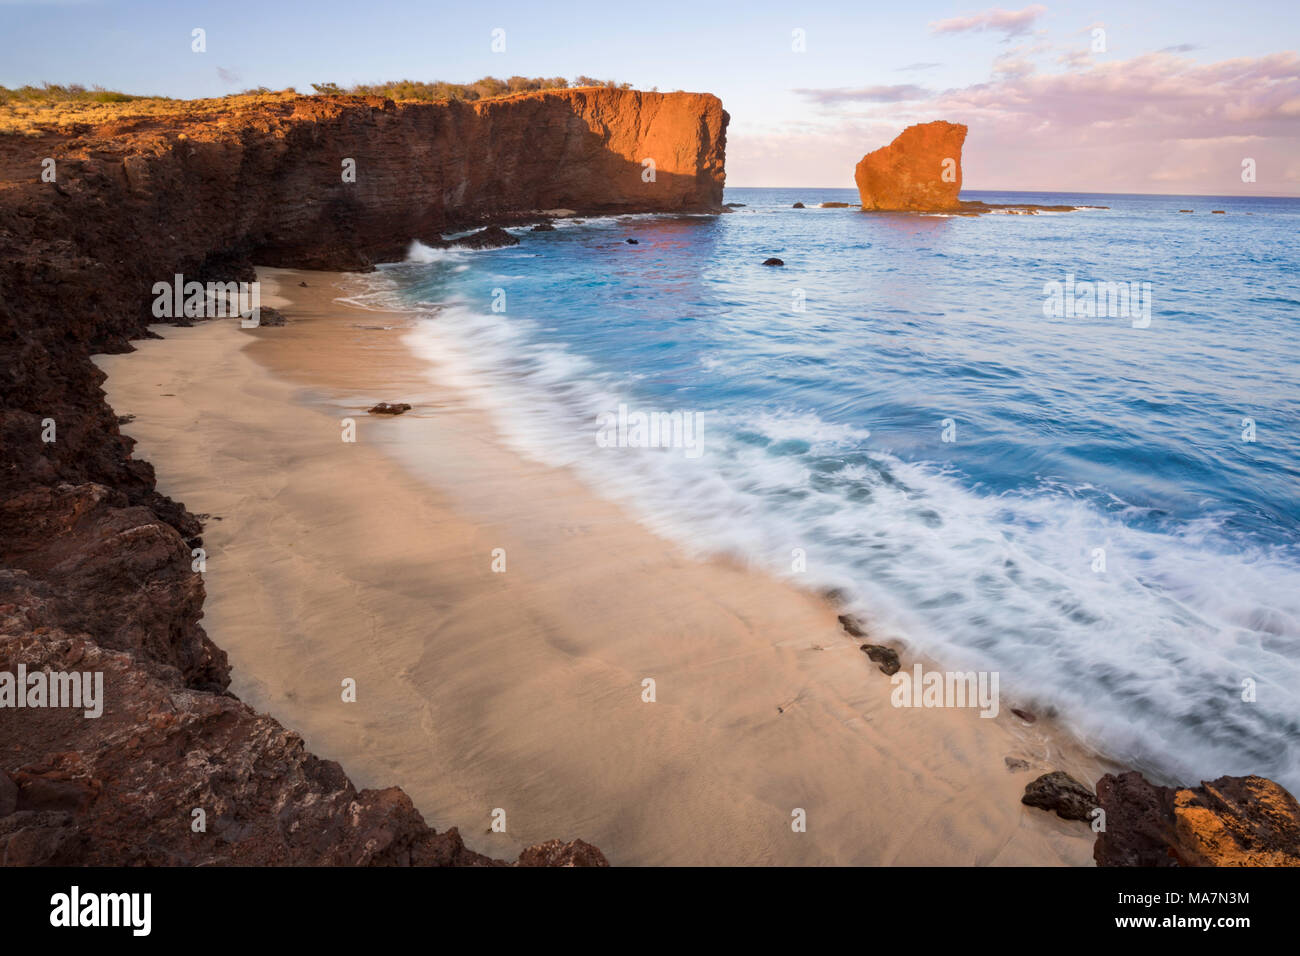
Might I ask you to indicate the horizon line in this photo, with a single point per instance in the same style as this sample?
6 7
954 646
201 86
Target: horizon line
1078 192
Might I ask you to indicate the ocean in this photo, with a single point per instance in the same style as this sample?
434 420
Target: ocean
1104 509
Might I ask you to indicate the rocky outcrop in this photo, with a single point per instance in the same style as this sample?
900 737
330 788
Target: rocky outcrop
1231 821
920 171
96 565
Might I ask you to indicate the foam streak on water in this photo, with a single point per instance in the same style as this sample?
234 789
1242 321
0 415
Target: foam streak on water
823 431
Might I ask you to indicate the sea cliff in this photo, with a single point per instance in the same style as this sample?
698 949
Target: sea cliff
97 569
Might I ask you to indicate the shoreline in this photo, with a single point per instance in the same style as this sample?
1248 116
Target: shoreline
522 690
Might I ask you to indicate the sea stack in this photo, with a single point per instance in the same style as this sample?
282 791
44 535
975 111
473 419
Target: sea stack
920 171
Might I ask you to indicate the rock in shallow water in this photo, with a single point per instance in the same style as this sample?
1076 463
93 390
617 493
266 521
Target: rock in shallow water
920 171
774 261
493 237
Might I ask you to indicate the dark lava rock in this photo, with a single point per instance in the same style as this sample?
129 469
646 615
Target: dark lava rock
774 261
543 227
383 408
1231 821
125 419
1060 792
8 795
555 853
853 625
733 205
302 285
632 242
493 237
886 657
798 205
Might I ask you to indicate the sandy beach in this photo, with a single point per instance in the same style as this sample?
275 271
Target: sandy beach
522 691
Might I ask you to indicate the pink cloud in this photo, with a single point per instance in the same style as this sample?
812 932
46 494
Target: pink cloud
1009 22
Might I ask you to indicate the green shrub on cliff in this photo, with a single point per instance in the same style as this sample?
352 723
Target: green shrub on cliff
72 93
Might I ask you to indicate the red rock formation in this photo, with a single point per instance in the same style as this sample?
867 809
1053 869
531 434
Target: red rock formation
909 173
1232 821
97 563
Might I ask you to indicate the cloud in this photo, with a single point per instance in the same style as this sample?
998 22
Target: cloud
896 93
1007 22
1180 48
1075 59
1011 65
227 76
917 66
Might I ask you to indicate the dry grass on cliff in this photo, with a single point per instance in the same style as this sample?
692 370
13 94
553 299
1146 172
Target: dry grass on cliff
51 108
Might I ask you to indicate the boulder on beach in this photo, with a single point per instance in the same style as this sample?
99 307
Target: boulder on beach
1060 792
885 657
920 171
266 317
383 408
1231 821
774 261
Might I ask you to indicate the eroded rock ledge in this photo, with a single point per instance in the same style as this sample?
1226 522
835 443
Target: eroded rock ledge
1231 821
96 565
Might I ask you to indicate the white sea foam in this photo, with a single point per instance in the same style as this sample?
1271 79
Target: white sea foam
1145 660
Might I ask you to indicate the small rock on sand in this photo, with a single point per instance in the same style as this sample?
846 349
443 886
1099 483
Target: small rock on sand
1060 792
383 408
886 657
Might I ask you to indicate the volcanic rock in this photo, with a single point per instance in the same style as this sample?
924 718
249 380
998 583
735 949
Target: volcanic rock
886 657
493 237
383 408
1231 821
920 171
774 261
1060 792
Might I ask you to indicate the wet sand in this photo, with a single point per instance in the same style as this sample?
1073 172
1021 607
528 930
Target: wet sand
522 691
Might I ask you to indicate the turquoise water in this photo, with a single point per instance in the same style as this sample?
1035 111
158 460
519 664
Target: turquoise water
823 429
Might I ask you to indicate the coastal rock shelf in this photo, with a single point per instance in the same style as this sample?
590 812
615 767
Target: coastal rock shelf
97 566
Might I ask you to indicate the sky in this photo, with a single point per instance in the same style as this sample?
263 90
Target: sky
1139 97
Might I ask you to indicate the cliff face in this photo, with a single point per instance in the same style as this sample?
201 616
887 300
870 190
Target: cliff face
920 171
95 565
